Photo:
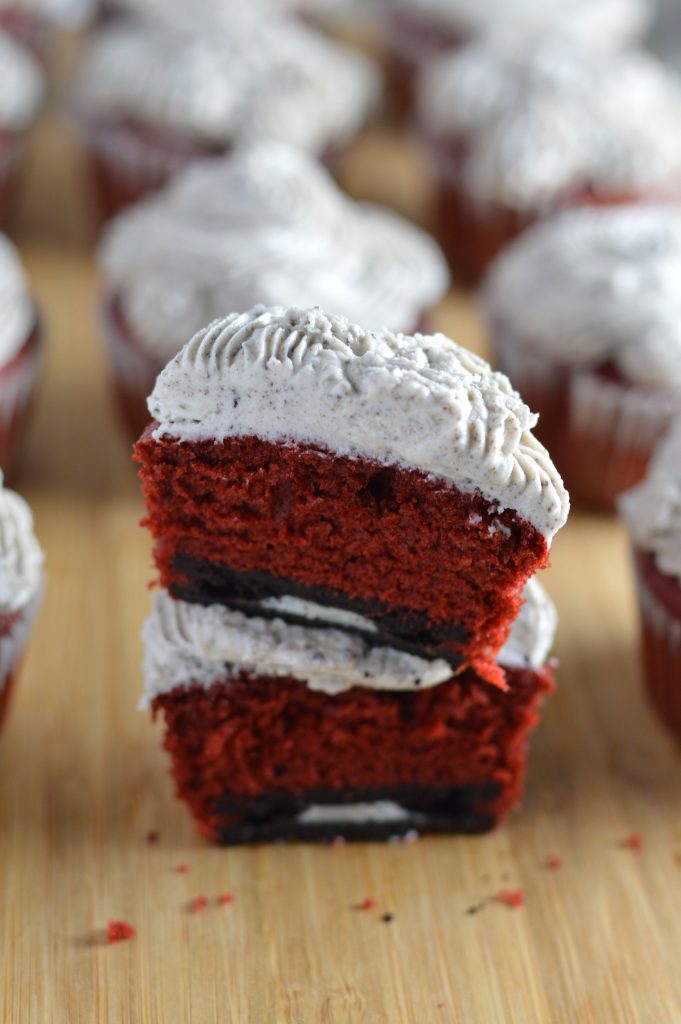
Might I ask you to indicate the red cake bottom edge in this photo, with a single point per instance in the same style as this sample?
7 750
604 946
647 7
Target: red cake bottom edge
660 605
251 754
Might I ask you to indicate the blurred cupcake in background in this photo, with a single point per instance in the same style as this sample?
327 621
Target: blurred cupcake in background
417 31
151 97
516 133
264 225
21 96
652 511
585 318
20 352
21 585
31 22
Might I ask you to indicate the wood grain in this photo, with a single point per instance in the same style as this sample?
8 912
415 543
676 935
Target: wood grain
82 777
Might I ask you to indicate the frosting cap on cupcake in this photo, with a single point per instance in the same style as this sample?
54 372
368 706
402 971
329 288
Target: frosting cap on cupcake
596 286
17 311
301 375
598 23
265 225
21 558
21 86
255 79
652 509
549 119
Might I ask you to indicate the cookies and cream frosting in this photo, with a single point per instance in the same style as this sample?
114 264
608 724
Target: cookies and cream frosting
17 310
254 79
598 23
652 509
596 286
193 644
267 224
549 119
21 86
21 558
301 375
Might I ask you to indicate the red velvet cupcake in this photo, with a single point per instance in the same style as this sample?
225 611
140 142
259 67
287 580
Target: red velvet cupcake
344 524
518 132
265 224
21 583
153 96
585 318
21 95
419 31
20 352
652 511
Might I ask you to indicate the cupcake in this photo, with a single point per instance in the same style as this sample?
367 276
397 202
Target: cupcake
418 31
652 511
20 351
347 525
21 95
266 224
151 97
21 584
518 132
585 318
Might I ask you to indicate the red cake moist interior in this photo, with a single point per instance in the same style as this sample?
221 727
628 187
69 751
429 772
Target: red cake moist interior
382 538
250 744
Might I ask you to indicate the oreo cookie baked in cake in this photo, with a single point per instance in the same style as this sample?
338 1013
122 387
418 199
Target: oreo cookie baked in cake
345 523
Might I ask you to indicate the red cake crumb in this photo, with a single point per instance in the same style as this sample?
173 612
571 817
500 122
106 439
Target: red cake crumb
375 533
198 904
512 898
181 869
250 736
225 898
152 837
366 904
553 862
119 931
634 842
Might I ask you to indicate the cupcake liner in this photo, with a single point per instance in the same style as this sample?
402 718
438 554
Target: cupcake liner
18 381
15 630
661 638
133 370
11 152
601 432
129 163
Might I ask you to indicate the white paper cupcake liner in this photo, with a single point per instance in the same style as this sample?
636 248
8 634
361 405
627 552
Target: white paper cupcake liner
13 643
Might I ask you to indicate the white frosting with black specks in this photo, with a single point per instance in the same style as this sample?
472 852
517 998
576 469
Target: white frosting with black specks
21 86
17 310
190 644
652 509
255 79
303 376
266 225
595 286
549 119
21 558
605 24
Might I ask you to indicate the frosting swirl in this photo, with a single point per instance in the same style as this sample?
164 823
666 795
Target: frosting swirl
601 23
188 643
421 401
21 558
652 509
257 78
17 312
21 86
267 224
597 286
546 119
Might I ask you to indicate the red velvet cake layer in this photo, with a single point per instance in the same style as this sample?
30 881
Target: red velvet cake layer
247 740
385 534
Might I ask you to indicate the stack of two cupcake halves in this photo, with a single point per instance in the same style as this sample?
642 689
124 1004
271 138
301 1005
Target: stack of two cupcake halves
348 638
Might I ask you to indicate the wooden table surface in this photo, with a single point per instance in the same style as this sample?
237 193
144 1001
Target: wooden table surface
83 779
